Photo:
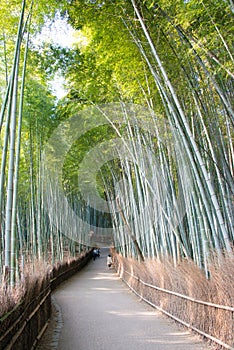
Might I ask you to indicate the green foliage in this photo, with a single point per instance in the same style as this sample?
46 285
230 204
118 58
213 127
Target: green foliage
50 58
111 67
39 108
80 149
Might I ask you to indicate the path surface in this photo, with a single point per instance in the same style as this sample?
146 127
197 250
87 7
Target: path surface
95 310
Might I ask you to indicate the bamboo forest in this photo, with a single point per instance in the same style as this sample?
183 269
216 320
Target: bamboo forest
117 122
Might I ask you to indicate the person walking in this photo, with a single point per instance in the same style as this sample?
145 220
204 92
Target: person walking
109 261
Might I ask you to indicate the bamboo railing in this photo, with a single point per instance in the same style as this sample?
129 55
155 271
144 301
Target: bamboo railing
156 301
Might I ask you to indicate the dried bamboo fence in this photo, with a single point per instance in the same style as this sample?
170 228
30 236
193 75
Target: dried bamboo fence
203 317
22 327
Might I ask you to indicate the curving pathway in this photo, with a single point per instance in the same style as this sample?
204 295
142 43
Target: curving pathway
95 310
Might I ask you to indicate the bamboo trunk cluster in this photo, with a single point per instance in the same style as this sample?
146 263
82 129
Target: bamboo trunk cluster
26 234
185 207
175 197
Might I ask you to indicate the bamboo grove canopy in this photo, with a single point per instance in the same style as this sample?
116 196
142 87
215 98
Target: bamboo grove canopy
139 153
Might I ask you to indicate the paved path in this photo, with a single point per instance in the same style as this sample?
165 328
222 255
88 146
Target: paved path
95 310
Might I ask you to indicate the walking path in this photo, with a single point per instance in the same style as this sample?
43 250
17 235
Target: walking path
95 310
